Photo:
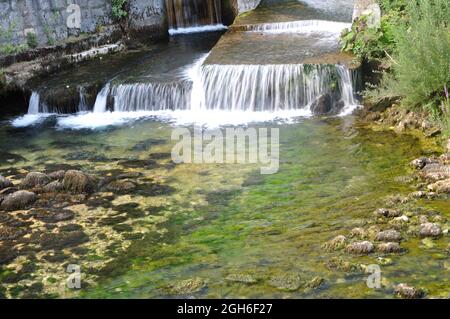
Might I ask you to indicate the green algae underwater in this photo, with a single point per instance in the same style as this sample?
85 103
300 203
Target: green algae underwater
225 231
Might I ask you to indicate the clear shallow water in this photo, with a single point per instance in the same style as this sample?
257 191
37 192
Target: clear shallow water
212 227
224 220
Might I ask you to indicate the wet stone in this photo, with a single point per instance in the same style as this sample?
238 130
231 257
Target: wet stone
58 175
54 187
18 200
10 233
285 281
389 235
430 230
121 228
34 179
138 163
241 278
63 240
336 243
315 283
389 213
407 292
187 287
160 156
78 182
339 264
360 248
6 254
108 221
121 187
5 183
52 216
70 227
86 156
389 248
145 145
154 189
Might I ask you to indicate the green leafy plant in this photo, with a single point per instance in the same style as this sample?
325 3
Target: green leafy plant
48 33
118 9
421 59
32 40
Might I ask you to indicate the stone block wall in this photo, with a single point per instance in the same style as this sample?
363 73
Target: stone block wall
48 18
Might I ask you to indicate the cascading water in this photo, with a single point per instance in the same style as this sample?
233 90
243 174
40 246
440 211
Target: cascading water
33 107
272 87
151 96
301 26
187 16
102 99
255 88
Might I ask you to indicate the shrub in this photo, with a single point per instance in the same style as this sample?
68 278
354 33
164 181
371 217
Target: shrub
118 9
421 59
32 40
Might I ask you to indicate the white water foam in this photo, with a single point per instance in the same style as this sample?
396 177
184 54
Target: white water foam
198 29
210 119
300 26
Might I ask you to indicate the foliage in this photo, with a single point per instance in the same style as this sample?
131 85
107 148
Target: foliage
32 40
414 39
371 44
118 9
48 33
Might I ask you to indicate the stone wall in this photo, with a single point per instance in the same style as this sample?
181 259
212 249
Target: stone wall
48 18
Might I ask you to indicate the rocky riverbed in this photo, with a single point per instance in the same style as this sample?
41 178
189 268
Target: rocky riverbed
51 219
402 224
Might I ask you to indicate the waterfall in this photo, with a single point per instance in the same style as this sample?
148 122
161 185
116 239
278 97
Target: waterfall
82 105
256 88
272 87
301 26
102 99
151 96
33 107
186 16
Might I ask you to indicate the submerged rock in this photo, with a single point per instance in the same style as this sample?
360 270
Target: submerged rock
408 292
360 248
53 187
35 179
121 186
78 182
336 243
58 175
315 283
53 216
389 248
389 213
242 278
188 286
10 233
6 254
440 186
389 235
285 281
430 230
342 265
18 200
5 183
62 240
359 233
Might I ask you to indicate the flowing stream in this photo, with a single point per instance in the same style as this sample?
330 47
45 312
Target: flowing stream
215 230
